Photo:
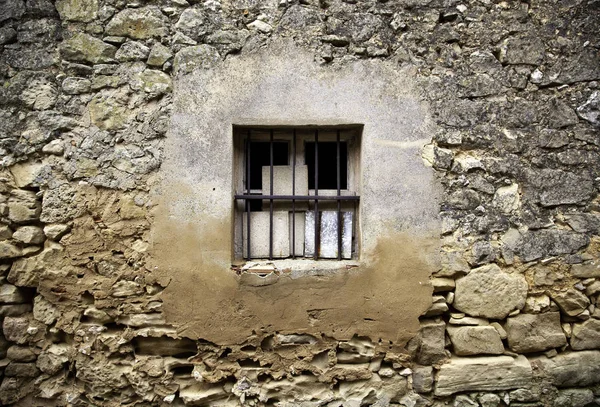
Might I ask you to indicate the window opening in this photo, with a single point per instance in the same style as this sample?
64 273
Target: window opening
310 205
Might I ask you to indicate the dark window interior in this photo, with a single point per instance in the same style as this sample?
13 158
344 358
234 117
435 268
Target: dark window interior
327 167
260 156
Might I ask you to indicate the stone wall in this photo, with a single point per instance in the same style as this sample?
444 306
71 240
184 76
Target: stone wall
86 112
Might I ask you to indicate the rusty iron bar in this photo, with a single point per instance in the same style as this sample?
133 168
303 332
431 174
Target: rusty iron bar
248 190
271 193
294 193
339 203
317 242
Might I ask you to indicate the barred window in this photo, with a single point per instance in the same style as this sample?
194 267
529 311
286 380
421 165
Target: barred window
297 192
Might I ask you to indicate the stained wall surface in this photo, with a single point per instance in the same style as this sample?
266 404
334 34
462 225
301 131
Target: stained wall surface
283 85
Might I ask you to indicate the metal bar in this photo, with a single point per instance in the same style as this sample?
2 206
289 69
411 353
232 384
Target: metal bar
271 193
294 193
248 191
300 197
316 253
339 203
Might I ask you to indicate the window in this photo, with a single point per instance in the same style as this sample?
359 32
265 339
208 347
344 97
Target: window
297 192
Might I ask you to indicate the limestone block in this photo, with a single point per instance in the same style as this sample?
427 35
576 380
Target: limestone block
506 199
29 235
428 347
23 206
571 369
132 51
16 369
483 373
77 10
586 270
259 240
44 311
138 23
26 173
423 379
9 294
535 332
86 48
475 340
21 353
55 231
199 56
5 232
15 329
9 251
574 398
586 335
571 302
489 292
159 54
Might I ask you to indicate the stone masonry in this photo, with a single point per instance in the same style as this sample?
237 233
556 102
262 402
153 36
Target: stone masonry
86 101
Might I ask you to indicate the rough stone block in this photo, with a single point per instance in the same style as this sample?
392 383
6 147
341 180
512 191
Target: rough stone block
571 302
586 335
572 369
428 347
535 332
423 379
489 292
9 294
475 340
483 373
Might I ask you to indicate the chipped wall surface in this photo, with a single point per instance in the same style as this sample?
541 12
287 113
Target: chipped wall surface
476 281
399 225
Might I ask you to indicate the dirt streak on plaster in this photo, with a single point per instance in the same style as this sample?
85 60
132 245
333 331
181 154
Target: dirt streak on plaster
381 300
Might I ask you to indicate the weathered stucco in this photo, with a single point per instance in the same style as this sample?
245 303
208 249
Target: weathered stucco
283 85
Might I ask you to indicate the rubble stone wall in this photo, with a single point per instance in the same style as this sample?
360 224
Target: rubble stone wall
86 110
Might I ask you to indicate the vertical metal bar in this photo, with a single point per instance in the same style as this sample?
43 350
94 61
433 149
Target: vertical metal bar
271 200
339 202
293 194
248 191
317 243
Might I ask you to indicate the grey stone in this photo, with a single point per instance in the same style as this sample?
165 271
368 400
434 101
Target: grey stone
482 374
132 51
580 67
536 244
152 81
5 232
15 310
463 199
9 251
21 354
15 329
522 50
556 187
571 369
423 379
9 294
75 86
260 26
60 204
507 199
23 206
7 34
21 370
535 332
428 347
590 110
586 335
55 231
584 222
29 235
561 115
159 54
475 340
11 9
573 398
138 23
589 269
193 23
77 10
489 400
88 49
190 58
571 302
490 292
